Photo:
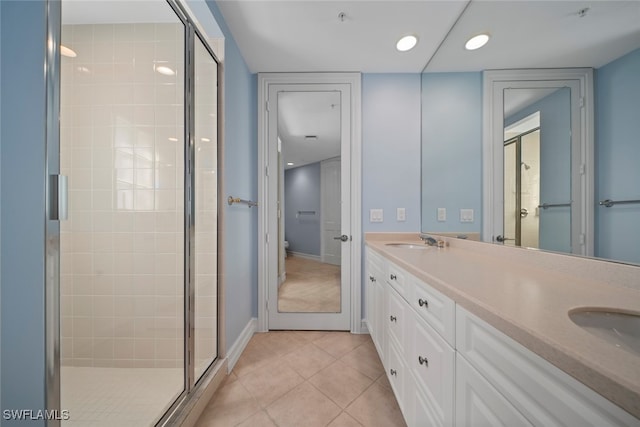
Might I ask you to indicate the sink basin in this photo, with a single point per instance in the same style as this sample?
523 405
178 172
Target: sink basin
621 329
408 246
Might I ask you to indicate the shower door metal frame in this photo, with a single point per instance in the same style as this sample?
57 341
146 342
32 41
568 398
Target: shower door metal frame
517 140
52 222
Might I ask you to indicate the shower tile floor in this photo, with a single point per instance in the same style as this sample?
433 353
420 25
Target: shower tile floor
124 397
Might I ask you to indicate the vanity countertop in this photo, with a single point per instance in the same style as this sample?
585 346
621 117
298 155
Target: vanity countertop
527 295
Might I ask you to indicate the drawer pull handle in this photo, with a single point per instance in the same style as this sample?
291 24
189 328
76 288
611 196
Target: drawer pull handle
423 361
373 279
393 277
393 372
423 303
393 318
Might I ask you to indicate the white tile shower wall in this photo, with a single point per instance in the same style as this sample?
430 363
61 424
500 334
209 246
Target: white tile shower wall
122 148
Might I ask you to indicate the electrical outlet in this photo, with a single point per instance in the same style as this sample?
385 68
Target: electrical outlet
401 214
376 215
442 214
466 215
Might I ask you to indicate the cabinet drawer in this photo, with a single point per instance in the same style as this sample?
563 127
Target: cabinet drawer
395 318
544 394
436 309
397 278
479 404
432 362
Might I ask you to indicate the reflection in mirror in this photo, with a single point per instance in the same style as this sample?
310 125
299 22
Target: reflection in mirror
605 37
537 168
309 143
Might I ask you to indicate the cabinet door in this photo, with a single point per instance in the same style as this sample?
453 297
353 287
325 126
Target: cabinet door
431 361
380 335
478 404
396 316
397 374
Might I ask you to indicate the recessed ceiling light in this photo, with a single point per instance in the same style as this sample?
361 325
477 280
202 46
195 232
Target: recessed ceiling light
289 164
476 42
65 51
406 43
165 70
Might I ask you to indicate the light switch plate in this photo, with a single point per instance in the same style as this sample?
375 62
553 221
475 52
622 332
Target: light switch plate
401 214
376 215
442 214
466 215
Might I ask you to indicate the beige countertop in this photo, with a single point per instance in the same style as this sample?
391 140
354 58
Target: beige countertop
514 291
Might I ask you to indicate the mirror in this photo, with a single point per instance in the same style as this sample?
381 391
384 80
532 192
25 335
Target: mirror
604 36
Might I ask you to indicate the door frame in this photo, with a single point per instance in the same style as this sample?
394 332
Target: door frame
267 251
582 159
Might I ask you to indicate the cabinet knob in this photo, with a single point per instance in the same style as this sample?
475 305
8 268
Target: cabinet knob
423 361
393 318
393 372
423 303
373 279
393 277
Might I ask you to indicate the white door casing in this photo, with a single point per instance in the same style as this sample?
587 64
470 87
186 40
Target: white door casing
348 84
580 81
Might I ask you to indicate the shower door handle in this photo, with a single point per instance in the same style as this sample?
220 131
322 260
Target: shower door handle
58 197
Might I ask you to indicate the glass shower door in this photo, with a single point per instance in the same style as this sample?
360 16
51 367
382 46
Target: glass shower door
206 207
122 248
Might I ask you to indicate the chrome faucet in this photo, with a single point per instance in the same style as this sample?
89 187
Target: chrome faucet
428 240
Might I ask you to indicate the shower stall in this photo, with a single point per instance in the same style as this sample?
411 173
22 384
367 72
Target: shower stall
138 278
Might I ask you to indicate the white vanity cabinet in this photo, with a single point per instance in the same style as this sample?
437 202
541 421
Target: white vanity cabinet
375 300
447 367
418 361
542 393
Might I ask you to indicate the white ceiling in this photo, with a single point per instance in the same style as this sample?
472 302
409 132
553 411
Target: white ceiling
307 35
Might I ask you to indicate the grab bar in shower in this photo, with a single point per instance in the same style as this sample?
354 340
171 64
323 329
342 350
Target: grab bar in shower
608 203
553 205
231 200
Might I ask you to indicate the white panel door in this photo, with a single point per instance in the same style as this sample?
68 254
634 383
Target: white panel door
330 211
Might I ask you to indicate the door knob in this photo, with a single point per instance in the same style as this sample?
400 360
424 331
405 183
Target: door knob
344 238
502 239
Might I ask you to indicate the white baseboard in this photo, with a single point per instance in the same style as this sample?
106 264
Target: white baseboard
306 256
239 345
363 327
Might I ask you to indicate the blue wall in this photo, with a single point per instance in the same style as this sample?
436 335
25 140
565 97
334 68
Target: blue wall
617 147
302 193
240 180
555 170
391 150
22 210
451 149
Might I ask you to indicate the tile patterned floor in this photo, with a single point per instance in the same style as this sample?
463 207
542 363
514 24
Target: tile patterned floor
311 287
305 379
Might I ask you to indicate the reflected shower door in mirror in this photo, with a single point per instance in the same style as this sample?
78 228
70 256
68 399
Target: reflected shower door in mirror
309 155
522 186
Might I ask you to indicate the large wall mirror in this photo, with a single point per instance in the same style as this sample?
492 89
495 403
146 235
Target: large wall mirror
530 141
